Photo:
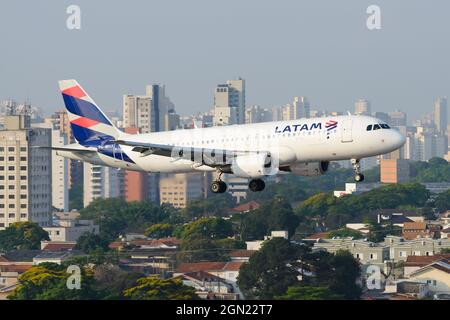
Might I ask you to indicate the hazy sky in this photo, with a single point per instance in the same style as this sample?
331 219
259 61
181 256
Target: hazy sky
320 49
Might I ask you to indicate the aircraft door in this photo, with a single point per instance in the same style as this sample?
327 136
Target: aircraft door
346 131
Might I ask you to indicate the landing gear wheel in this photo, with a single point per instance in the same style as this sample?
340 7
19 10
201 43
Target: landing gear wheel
218 187
256 185
359 177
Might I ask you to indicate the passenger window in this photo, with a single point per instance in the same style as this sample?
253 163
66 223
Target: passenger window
385 126
369 127
376 127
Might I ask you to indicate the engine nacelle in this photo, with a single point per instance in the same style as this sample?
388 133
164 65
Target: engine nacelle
309 169
252 166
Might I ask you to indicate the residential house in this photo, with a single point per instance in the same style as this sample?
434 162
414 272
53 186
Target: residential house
241 255
416 230
445 233
436 275
245 207
149 256
209 286
257 244
57 245
366 252
228 271
71 230
316 237
400 248
414 263
57 257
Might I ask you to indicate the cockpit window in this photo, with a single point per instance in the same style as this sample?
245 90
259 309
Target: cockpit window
369 127
376 127
385 126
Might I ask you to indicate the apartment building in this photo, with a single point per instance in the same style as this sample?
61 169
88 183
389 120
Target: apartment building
179 189
25 173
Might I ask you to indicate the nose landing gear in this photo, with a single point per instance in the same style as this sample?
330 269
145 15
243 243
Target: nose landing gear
359 177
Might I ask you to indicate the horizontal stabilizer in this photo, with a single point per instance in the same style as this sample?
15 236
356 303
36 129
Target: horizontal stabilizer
69 149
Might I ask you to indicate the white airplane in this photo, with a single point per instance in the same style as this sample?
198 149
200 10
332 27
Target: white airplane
303 147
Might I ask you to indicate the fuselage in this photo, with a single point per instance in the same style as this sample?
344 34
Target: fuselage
294 141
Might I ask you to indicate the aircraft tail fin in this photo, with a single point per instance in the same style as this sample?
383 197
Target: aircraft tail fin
90 126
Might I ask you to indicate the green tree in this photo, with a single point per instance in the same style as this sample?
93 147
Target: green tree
111 281
276 214
90 243
377 231
116 216
21 236
48 281
442 201
152 288
214 228
306 292
216 205
159 230
269 272
435 170
346 232
346 271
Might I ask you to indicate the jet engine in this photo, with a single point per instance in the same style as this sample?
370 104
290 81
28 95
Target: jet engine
251 165
308 169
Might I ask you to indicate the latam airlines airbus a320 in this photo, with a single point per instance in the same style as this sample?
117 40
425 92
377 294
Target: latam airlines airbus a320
303 147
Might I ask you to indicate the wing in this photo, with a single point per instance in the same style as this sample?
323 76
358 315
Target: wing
201 156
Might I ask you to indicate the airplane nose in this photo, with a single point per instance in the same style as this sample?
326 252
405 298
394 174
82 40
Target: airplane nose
398 139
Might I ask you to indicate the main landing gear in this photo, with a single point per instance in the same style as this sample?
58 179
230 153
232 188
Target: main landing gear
218 186
359 177
256 185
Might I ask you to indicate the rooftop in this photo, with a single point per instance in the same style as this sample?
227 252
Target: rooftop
58 246
245 207
208 266
422 261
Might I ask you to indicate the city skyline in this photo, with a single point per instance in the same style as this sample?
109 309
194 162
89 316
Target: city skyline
338 63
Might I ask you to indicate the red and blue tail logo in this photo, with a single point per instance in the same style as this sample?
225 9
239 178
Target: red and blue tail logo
331 125
89 124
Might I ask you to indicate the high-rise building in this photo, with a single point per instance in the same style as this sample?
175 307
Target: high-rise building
102 182
60 121
138 113
287 112
136 183
425 145
25 173
256 114
440 114
383 116
394 171
229 103
397 118
161 105
60 167
149 112
179 189
362 106
152 112
301 107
